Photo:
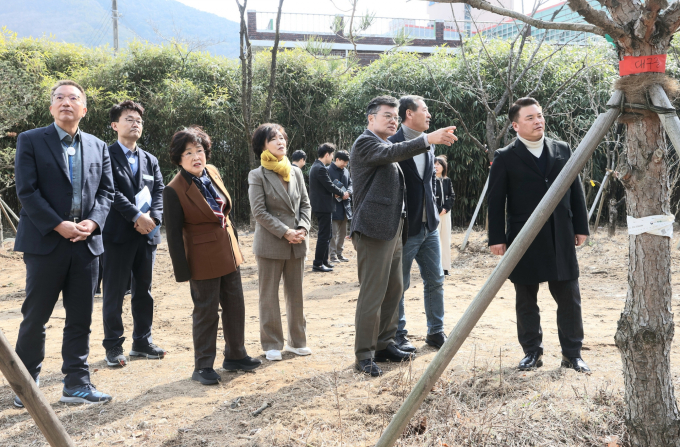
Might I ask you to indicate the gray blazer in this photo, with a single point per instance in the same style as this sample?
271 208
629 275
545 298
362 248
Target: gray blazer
379 190
276 211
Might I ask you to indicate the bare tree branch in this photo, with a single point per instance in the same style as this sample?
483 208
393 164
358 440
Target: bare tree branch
566 26
272 76
597 18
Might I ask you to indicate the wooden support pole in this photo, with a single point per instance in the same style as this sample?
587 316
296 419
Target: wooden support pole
4 211
38 407
599 194
9 210
474 216
670 121
506 265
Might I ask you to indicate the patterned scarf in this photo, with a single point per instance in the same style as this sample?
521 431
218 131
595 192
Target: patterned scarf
283 167
208 190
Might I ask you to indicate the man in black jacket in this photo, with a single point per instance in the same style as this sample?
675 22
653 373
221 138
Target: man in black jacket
321 192
521 175
423 219
130 236
338 171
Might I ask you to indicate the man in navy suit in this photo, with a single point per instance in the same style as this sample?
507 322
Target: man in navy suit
130 237
423 221
64 183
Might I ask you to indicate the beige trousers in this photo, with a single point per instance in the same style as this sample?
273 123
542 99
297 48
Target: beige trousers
382 283
270 272
338 238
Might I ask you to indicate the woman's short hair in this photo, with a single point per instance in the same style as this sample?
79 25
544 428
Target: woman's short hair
264 134
444 163
189 135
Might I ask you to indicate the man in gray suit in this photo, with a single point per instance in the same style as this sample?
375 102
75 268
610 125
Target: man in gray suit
379 229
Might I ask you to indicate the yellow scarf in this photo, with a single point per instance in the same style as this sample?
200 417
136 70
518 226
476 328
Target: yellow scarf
283 167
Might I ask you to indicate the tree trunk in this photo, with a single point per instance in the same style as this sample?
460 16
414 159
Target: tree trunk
613 214
645 330
272 75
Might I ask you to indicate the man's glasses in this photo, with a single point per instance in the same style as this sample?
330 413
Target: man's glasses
131 121
62 98
390 117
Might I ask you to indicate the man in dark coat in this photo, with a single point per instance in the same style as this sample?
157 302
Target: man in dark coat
321 192
338 171
521 174
64 183
380 228
131 235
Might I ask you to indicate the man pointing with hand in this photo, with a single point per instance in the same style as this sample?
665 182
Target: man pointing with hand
380 228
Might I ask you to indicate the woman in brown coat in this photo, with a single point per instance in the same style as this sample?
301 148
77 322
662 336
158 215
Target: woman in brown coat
204 251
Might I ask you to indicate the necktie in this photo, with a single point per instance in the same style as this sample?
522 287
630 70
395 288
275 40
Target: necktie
208 190
132 161
71 153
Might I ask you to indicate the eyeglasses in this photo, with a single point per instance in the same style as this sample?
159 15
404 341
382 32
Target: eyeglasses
133 121
62 98
390 117
191 154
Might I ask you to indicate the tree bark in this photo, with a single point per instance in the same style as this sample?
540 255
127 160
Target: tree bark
645 330
272 75
613 214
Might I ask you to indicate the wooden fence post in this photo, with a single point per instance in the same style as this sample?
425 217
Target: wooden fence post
34 401
474 216
507 263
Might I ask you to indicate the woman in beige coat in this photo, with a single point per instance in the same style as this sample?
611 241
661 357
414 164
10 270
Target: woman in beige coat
280 206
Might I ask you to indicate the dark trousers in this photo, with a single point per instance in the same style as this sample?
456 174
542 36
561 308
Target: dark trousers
569 322
323 240
71 269
138 257
208 295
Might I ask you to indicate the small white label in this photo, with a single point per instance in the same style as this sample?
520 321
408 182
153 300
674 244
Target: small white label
661 225
71 151
131 160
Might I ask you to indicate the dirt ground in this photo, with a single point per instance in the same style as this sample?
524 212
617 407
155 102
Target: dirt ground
319 400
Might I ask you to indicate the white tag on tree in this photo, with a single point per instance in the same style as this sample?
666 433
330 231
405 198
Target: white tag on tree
661 225
71 151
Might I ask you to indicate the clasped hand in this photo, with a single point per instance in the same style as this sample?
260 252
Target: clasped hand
76 231
295 236
145 224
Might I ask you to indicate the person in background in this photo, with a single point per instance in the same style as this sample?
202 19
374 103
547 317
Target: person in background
380 228
520 176
423 236
338 171
64 184
131 238
444 197
299 158
280 206
321 196
196 208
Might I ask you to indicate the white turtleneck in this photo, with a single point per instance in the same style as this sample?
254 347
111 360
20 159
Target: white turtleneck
535 147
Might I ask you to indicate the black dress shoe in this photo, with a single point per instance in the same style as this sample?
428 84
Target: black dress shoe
393 354
245 364
531 360
436 340
328 264
368 367
575 363
321 268
341 258
207 376
446 273
403 344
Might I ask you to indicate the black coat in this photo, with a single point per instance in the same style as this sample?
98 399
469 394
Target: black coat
322 189
45 191
417 188
120 227
443 194
515 176
342 175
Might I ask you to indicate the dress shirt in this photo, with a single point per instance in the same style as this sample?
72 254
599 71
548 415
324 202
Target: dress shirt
129 153
420 160
75 167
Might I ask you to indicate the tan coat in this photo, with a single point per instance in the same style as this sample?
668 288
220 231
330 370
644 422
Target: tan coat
277 210
199 247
